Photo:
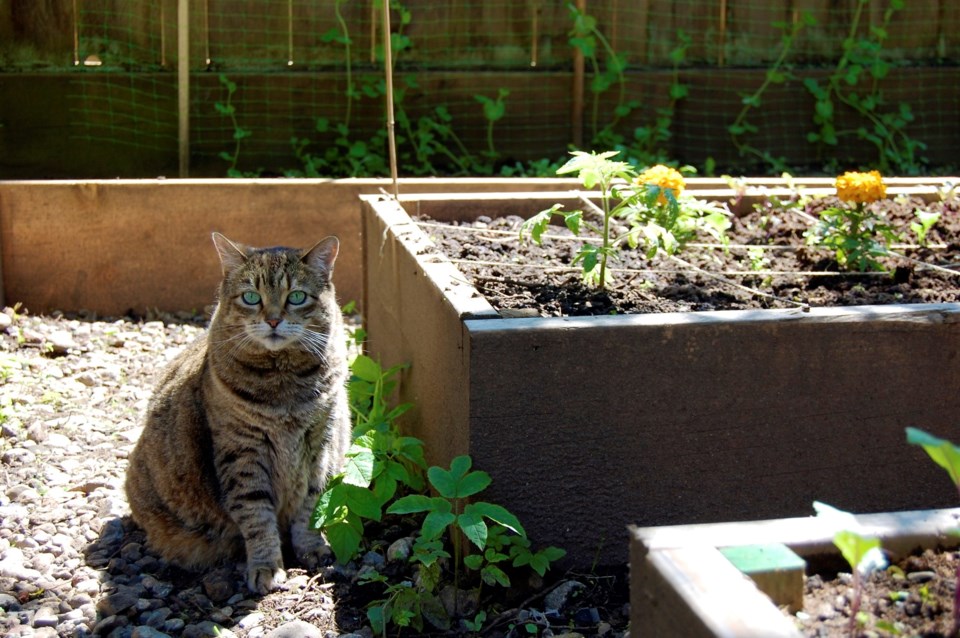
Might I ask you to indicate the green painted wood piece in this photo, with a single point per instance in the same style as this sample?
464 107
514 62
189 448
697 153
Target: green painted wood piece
775 568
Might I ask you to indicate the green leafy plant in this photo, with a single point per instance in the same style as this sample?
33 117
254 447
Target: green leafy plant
341 35
651 204
452 510
947 455
229 110
925 220
589 40
647 145
384 475
857 235
379 463
854 83
863 554
490 528
776 74
493 111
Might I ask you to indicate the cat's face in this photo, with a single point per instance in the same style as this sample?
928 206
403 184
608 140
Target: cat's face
276 298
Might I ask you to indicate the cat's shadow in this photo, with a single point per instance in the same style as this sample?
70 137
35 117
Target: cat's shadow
136 582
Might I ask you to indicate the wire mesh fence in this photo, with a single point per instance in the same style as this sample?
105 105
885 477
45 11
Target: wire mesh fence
296 86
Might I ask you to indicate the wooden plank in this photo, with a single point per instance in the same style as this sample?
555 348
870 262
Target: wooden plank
695 592
900 532
408 317
56 255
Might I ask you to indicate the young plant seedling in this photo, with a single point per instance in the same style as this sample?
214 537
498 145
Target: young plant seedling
863 554
650 203
946 455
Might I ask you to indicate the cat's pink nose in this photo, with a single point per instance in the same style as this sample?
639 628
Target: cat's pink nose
273 323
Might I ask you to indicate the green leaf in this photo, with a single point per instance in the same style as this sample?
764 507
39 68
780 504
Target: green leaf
344 538
943 452
414 503
358 469
362 502
498 514
471 522
473 483
573 220
824 109
854 547
473 561
366 368
776 77
457 482
493 575
435 522
538 224
377 618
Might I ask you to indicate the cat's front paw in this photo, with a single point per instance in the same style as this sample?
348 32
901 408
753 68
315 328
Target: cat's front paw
309 547
263 579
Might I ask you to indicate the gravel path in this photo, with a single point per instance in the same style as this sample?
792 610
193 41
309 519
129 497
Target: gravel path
72 392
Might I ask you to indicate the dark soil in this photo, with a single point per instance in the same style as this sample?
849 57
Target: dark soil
912 598
514 275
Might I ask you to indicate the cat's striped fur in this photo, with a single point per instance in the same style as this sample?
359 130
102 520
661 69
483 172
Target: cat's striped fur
248 423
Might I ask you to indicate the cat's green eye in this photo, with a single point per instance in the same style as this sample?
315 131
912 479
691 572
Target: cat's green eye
296 298
250 298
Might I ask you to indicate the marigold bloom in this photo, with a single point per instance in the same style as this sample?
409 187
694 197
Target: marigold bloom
665 177
861 188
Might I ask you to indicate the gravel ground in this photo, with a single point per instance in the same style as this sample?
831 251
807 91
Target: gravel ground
72 392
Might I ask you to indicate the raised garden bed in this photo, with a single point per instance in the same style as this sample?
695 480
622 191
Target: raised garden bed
588 424
683 583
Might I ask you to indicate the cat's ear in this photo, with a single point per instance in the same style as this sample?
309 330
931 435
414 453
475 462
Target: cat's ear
322 255
231 254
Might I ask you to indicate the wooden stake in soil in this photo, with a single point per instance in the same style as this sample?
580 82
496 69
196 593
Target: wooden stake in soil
391 124
183 84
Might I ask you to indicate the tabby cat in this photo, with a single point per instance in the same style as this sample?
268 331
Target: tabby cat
247 425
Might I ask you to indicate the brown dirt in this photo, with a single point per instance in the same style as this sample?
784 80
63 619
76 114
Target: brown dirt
912 598
515 275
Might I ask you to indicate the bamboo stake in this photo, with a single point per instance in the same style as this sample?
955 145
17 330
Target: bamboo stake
183 84
76 35
206 33
289 32
535 32
391 124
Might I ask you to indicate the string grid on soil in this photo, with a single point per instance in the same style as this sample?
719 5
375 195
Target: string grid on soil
766 264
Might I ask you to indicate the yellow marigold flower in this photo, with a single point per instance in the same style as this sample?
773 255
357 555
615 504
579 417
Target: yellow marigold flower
861 188
664 177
